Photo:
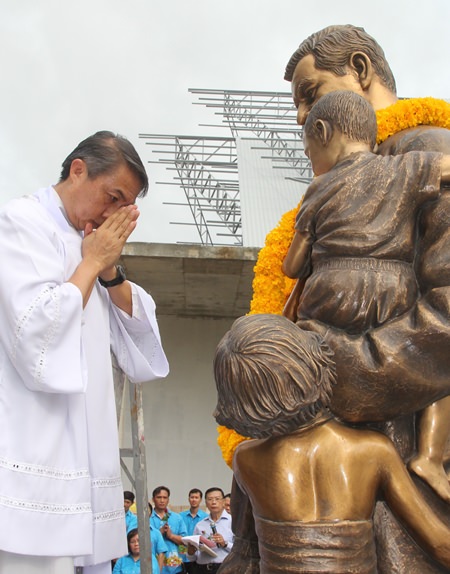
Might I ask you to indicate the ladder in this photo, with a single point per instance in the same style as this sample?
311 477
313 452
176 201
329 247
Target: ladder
137 453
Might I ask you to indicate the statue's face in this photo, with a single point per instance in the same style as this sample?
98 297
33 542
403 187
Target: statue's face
309 84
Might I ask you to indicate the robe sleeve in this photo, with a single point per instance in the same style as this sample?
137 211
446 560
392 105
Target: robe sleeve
136 342
40 314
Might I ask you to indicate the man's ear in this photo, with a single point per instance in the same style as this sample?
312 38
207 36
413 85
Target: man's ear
78 168
324 131
360 62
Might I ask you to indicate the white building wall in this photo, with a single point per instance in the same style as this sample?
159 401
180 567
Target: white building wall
180 431
265 193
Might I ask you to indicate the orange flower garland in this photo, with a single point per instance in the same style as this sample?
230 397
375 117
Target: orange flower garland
228 440
410 114
271 288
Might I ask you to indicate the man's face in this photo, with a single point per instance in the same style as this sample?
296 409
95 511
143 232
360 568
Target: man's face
309 84
161 501
214 501
227 504
97 199
195 499
127 504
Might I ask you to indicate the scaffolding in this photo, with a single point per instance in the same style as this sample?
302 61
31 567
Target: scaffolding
267 118
206 167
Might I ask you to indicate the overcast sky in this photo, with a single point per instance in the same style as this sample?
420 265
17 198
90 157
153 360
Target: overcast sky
69 69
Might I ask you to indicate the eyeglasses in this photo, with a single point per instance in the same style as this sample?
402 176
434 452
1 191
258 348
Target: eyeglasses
215 499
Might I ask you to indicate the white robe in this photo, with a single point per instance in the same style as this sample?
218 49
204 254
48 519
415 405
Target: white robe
60 486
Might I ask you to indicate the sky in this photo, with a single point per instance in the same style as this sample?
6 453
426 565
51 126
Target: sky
68 69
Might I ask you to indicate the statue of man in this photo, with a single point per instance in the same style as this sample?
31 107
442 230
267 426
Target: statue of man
345 57
400 367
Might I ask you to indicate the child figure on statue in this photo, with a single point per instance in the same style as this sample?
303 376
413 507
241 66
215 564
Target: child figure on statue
311 482
354 244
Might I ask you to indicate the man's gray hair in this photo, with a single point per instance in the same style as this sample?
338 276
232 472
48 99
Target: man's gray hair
103 152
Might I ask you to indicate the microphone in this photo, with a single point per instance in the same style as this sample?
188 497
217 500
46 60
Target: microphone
213 527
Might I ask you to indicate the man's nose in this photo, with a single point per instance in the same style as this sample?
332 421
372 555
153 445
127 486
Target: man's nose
302 114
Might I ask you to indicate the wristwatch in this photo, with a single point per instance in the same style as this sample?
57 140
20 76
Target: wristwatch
118 279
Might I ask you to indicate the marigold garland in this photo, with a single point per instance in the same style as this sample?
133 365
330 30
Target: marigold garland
270 284
271 288
228 440
410 114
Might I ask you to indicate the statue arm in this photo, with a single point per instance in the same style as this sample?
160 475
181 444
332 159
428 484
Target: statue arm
291 306
297 262
410 507
244 556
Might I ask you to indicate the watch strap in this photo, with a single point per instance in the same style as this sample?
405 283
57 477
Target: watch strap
118 279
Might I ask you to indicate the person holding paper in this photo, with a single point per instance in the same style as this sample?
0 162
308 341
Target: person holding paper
215 527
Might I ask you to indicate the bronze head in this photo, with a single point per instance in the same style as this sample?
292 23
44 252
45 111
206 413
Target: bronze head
346 112
271 376
333 48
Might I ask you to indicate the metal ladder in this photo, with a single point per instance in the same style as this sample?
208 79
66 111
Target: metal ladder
137 453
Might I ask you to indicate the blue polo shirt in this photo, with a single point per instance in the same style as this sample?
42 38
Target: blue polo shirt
127 565
190 521
131 520
177 526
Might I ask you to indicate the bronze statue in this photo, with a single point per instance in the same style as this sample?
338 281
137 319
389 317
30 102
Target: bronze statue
386 370
355 231
401 366
311 481
355 238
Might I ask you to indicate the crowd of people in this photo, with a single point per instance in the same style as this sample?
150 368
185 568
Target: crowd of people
190 542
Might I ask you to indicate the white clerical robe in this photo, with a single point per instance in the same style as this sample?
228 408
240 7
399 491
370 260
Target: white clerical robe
60 486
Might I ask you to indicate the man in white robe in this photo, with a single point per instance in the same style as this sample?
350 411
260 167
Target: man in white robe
63 307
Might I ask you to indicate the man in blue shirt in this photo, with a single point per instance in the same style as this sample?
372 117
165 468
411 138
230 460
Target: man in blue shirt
130 518
191 517
171 526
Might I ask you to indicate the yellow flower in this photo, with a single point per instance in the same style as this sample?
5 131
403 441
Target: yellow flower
410 114
228 440
271 288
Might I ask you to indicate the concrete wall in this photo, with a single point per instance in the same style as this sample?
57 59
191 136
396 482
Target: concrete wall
180 432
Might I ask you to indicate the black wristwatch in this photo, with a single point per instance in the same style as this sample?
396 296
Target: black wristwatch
118 279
